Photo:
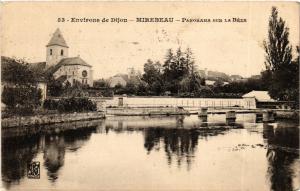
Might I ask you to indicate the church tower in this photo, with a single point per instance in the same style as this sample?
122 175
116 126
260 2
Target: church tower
57 49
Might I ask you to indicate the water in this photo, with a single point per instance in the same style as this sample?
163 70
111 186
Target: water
158 153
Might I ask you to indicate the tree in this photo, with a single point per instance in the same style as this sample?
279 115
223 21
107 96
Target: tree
281 71
277 47
55 87
21 99
131 87
153 77
16 72
20 94
142 88
101 83
176 67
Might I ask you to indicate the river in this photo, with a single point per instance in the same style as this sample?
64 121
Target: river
158 153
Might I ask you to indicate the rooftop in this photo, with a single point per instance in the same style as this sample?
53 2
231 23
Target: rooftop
259 95
67 62
57 39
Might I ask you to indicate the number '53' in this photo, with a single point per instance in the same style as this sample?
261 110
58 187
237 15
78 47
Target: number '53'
60 19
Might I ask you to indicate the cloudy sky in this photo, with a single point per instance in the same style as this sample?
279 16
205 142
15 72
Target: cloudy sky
233 48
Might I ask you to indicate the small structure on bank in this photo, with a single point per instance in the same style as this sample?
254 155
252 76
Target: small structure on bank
262 99
258 99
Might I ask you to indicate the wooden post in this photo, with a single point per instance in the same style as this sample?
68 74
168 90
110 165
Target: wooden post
203 112
121 102
203 119
258 117
203 115
268 116
230 117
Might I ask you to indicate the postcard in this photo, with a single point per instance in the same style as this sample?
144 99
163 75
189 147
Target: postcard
150 95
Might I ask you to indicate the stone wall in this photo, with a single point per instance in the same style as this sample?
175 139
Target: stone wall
52 128
49 119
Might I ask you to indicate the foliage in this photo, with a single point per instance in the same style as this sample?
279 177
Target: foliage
130 88
281 71
20 93
240 86
177 74
21 99
16 72
278 50
180 72
54 87
70 105
101 83
153 77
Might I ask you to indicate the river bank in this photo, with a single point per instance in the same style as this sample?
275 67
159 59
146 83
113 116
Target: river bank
46 119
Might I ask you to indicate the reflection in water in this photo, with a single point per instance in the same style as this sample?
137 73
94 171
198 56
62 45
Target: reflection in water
16 153
20 151
177 137
54 154
180 143
283 150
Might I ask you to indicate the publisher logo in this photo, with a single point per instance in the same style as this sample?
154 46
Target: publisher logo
33 170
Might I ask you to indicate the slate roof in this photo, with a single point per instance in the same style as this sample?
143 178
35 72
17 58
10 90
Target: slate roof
259 96
38 69
67 62
62 78
38 66
57 39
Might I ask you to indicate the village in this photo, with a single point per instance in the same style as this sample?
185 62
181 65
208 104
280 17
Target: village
59 111
110 96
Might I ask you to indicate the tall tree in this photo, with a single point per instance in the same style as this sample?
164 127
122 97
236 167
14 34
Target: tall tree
277 47
280 70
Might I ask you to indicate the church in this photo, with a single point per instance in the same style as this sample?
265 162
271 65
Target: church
68 70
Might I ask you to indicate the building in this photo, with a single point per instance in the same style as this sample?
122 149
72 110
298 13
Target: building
258 99
118 79
69 70
132 76
234 78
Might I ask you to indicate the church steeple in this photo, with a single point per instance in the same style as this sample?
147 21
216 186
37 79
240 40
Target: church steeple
57 48
57 39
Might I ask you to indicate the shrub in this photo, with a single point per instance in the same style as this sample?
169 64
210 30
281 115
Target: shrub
21 99
70 105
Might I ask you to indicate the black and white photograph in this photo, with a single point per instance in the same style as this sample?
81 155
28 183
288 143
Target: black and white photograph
136 95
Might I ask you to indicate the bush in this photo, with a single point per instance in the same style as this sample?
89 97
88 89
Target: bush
70 105
21 99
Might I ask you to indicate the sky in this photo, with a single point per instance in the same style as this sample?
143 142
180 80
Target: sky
111 48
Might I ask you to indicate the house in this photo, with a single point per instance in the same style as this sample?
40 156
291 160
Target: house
235 78
120 79
259 99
